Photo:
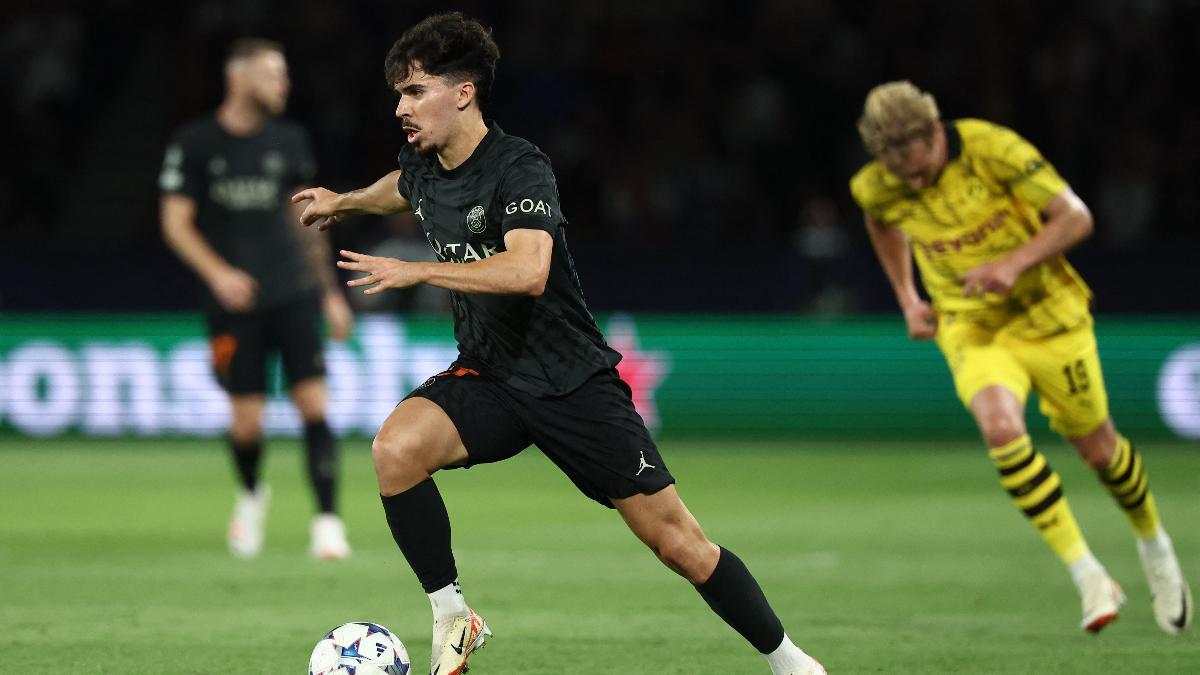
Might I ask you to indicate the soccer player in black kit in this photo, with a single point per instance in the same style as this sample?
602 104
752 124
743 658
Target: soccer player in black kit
225 181
533 368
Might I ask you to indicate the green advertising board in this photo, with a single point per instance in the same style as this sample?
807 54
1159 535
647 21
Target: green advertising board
698 376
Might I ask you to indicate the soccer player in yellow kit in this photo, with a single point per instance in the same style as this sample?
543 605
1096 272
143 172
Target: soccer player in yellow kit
988 220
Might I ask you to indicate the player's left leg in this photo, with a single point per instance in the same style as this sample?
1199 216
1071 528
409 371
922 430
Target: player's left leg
328 532
1070 382
664 524
1120 468
295 330
597 438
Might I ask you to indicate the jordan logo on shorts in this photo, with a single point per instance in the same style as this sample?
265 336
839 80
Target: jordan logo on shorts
643 465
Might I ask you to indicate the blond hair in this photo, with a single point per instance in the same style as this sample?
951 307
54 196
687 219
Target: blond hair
246 48
895 114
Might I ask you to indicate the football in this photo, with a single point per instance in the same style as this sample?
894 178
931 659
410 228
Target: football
359 648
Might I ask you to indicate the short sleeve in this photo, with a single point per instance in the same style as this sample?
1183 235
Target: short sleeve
1020 168
864 190
180 173
529 196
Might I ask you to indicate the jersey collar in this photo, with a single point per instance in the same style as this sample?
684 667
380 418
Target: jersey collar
953 148
486 142
953 141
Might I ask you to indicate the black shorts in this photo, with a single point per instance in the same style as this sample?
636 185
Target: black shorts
593 434
241 344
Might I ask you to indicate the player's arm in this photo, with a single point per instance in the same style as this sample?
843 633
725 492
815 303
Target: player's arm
316 251
521 269
233 288
1068 222
326 208
892 249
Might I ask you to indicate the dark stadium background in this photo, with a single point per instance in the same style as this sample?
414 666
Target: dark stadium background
702 148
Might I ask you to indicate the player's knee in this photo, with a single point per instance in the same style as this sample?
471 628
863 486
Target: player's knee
1001 428
309 398
1096 456
246 430
1097 460
685 555
399 458
311 411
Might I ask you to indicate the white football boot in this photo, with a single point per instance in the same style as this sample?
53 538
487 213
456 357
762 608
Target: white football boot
248 522
455 638
1173 607
328 538
813 667
1102 600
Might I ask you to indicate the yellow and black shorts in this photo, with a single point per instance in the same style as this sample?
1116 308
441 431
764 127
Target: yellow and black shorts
1062 366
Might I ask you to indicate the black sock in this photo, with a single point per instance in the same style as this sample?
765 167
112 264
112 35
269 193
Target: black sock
734 595
246 459
421 528
322 463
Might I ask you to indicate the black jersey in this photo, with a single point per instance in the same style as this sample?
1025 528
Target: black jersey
240 185
547 345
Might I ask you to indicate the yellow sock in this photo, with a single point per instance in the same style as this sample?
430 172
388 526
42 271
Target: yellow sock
1125 478
1037 491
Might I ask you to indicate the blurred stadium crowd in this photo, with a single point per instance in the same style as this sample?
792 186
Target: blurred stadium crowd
701 147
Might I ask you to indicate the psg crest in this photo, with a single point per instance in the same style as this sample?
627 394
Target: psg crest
475 222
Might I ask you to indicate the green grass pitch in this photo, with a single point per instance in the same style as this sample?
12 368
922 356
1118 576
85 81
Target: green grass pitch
880 557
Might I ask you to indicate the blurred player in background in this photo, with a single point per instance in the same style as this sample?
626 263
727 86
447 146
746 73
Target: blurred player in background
225 181
988 220
533 367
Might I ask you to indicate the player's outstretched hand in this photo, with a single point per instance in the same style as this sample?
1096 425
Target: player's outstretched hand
990 277
322 209
382 273
921 320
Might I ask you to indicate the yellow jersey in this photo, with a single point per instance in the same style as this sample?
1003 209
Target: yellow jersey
985 204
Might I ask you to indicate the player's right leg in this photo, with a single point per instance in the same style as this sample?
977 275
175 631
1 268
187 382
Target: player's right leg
248 524
1036 489
417 440
239 364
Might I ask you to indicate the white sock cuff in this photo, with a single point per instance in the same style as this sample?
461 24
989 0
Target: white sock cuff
448 601
786 657
1087 565
1159 543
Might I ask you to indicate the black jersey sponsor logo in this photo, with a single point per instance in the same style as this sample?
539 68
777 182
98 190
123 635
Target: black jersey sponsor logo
475 220
528 206
246 193
462 252
273 163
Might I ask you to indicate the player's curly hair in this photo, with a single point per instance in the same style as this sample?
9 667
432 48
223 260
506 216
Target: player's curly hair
894 114
446 45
